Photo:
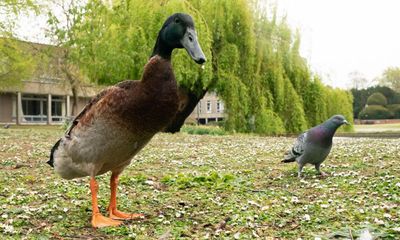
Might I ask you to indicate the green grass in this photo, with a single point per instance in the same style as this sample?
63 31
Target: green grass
202 186
377 128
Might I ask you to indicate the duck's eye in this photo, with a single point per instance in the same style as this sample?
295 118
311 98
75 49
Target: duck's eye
177 20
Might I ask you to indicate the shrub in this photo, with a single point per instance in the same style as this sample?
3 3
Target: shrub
203 130
375 112
395 110
377 99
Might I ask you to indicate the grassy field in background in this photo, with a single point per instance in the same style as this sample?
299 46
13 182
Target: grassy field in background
371 128
205 187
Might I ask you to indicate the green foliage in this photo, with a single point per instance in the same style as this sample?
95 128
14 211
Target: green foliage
377 99
375 112
117 40
16 60
268 122
315 102
16 63
253 64
203 130
340 102
395 110
361 96
293 115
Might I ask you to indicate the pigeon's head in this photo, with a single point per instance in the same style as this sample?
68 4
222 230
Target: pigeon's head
338 120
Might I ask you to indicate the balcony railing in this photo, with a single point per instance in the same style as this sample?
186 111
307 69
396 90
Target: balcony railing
40 119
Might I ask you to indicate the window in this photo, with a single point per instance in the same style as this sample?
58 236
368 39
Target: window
56 108
208 106
34 108
220 107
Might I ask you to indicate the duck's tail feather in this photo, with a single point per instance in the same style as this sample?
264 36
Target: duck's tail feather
51 161
289 160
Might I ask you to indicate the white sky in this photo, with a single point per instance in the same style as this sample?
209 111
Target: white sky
338 36
343 36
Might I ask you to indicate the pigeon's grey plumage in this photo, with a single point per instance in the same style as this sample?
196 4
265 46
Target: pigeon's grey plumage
314 145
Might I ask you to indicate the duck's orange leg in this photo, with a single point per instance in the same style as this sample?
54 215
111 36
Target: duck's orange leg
112 208
99 220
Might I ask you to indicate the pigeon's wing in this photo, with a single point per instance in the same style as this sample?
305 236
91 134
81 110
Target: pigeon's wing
297 149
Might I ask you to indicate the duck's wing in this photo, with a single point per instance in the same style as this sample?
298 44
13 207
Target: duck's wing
297 150
86 109
127 84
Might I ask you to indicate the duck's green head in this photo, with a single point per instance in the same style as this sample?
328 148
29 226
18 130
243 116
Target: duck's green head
178 31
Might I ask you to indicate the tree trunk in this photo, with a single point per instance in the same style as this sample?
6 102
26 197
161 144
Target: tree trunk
73 83
75 100
71 73
187 102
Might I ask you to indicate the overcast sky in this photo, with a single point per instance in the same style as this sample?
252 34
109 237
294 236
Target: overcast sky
343 36
338 36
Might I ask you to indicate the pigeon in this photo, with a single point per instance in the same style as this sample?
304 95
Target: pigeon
314 145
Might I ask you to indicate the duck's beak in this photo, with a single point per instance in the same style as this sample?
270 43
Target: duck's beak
346 122
190 43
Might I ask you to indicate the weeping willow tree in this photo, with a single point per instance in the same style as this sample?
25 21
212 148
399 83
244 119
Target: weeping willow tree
254 63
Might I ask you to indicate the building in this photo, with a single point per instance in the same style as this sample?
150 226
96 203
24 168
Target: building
40 102
209 109
45 98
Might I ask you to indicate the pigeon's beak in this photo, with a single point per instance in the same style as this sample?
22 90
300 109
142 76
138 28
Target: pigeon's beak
346 122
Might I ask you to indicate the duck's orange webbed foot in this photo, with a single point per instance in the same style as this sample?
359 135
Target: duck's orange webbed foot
116 214
99 221
112 208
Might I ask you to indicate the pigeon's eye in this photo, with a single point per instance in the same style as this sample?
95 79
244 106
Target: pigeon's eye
177 20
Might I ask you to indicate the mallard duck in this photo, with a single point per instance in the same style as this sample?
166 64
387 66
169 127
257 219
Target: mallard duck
116 124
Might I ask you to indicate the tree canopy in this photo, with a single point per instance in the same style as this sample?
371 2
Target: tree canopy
391 78
377 99
254 61
16 61
361 97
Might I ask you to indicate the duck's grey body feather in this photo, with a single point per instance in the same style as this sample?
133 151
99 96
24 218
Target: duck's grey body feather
96 150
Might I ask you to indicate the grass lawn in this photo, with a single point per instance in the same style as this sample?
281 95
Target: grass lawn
368 128
199 187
